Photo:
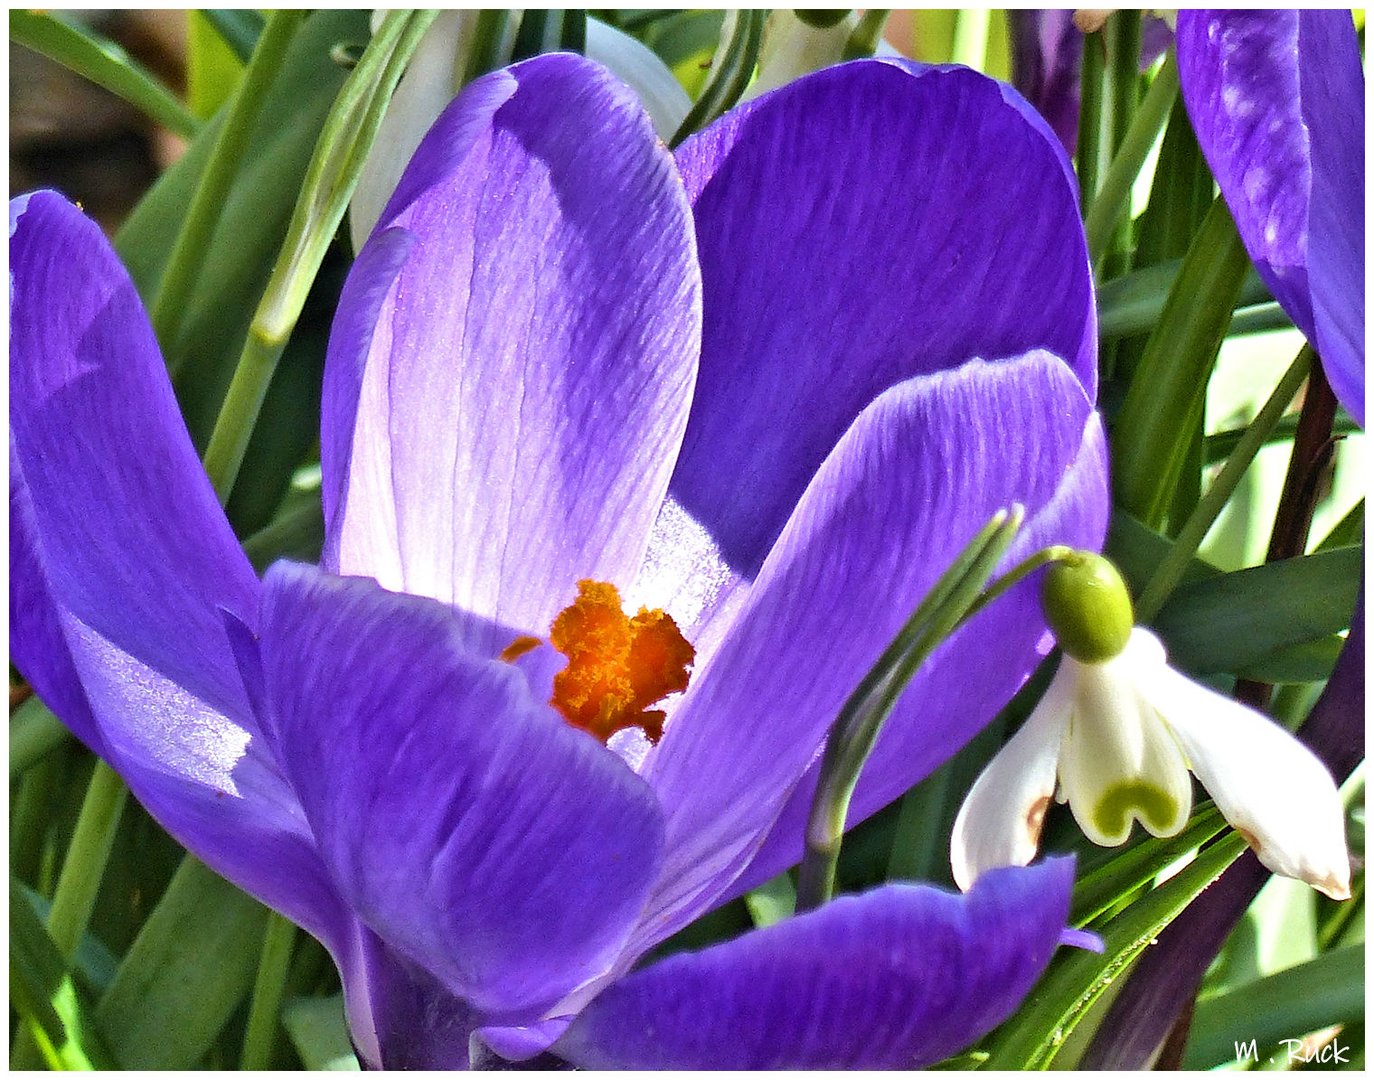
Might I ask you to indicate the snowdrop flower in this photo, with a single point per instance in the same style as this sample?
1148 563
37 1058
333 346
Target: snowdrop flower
1116 734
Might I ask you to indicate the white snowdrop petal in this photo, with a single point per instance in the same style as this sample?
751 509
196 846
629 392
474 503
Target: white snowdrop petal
639 68
1000 820
1266 783
1119 763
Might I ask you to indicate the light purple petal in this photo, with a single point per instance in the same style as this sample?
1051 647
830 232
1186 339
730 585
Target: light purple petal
1277 101
918 474
475 832
122 547
522 399
859 226
900 977
1046 55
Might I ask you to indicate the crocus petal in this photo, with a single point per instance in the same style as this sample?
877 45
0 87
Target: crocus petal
524 394
428 85
38 648
1277 101
916 218
1046 54
124 547
1266 783
640 68
1000 820
897 978
910 483
473 830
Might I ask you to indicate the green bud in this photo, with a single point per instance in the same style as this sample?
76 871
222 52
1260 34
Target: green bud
821 18
1087 607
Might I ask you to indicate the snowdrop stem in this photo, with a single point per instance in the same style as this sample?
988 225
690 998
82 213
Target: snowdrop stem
855 731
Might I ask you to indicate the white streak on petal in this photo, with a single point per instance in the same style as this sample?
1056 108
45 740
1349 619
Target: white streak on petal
1268 785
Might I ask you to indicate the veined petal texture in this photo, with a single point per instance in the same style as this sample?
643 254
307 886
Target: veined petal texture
510 424
917 475
126 552
470 828
915 218
899 977
1277 101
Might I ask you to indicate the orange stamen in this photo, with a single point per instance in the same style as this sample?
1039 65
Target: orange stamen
617 666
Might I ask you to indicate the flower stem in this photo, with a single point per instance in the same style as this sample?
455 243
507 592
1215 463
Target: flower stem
1170 571
970 46
277 945
193 241
329 182
861 720
864 40
1114 196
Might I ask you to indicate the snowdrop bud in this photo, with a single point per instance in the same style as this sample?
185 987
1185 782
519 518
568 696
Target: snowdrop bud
1087 607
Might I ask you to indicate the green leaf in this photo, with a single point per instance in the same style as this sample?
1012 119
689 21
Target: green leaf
319 1033
190 967
252 224
213 68
237 27
1323 992
1156 425
1138 550
1133 303
41 992
1232 622
1110 883
103 63
34 733
1032 1038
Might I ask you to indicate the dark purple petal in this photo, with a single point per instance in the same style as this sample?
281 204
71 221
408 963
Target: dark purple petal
920 471
132 537
523 396
479 836
124 552
1277 101
1046 54
857 227
38 648
900 977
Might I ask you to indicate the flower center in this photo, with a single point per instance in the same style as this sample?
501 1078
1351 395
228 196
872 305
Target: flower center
617 665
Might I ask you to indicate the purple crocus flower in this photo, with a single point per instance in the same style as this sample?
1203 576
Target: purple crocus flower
1277 101
772 387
